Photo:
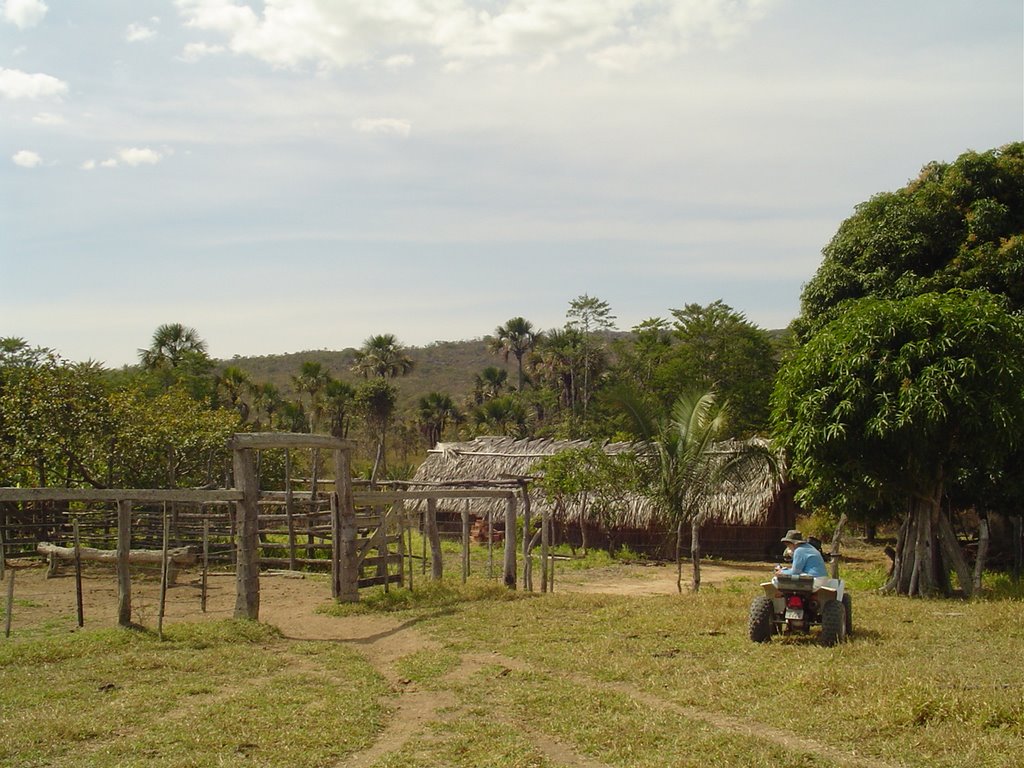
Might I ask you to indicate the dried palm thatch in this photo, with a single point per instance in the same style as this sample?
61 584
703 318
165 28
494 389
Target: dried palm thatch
490 462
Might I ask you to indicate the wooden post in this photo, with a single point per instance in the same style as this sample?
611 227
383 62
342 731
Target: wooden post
348 570
436 561
490 542
3 558
78 574
551 583
335 547
247 557
206 561
465 541
527 559
544 536
409 527
124 577
164 565
10 604
289 508
510 541
398 509
382 549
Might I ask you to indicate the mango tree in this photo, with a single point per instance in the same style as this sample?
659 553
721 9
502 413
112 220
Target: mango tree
896 401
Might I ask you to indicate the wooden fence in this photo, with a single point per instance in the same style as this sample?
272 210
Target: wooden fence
362 538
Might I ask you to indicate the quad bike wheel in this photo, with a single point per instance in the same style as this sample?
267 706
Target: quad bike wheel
760 624
848 609
833 623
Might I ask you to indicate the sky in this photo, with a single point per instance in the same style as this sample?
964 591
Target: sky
292 175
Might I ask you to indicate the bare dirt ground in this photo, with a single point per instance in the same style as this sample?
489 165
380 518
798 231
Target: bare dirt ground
290 603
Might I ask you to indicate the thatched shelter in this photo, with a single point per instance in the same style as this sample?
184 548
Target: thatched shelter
745 519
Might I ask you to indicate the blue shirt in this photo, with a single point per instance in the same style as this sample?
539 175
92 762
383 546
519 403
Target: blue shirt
806 559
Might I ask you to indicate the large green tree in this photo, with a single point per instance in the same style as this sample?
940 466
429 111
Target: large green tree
589 315
718 348
957 225
894 402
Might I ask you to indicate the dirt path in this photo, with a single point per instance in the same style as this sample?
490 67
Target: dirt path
291 604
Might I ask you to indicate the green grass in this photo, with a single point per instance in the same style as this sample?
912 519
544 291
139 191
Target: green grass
923 683
219 693
539 681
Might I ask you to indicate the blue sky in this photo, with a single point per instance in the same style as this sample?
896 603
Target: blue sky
286 175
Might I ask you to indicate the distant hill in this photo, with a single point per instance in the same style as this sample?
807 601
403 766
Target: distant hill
444 366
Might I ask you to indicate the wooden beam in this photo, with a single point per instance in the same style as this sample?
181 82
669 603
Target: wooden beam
141 495
263 440
367 498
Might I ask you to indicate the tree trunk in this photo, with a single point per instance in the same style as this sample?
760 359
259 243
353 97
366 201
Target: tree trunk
679 557
979 563
695 553
926 550
837 536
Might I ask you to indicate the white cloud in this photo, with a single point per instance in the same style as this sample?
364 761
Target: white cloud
386 125
132 157
15 84
400 61
195 51
27 159
618 34
48 118
136 156
138 32
24 13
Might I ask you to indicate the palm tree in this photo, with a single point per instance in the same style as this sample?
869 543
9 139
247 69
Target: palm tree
435 411
267 398
231 384
340 398
516 337
313 380
376 399
171 343
503 415
687 466
489 383
382 356
556 361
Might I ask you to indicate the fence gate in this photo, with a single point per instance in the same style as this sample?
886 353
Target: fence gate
380 545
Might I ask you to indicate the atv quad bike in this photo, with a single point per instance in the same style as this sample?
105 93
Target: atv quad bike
796 603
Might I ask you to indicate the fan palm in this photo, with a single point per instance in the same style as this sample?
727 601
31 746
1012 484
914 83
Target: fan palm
516 337
170 344
436 409
687 466
313 380
231 384
382 356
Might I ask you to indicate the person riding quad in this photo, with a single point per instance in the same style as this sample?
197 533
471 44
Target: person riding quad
806 558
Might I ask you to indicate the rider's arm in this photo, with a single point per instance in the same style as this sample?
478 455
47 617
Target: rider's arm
799 558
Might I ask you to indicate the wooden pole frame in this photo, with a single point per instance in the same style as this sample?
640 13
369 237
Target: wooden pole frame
124 578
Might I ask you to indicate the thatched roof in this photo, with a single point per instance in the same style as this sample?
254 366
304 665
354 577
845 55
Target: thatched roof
487 462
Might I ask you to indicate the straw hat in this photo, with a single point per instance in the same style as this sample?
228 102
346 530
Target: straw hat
793 537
